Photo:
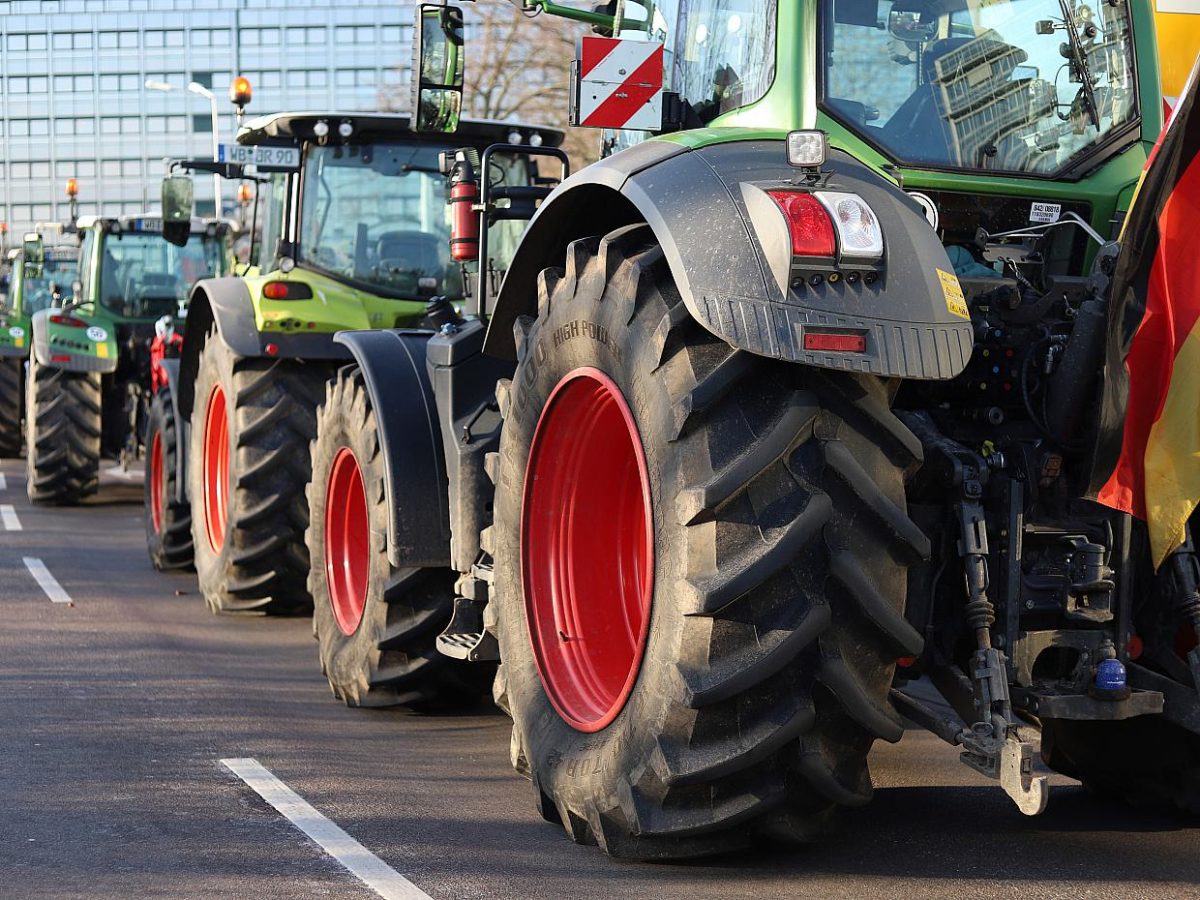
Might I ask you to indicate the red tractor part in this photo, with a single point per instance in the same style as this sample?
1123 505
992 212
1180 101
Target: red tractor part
216 468
587 549
347 541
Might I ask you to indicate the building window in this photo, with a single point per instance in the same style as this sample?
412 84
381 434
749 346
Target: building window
39 170
202 123
39 85
39 128
355 34
132 168
85 126
203 78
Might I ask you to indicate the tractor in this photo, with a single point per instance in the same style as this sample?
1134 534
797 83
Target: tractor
34 284
783 408
89 376
354 228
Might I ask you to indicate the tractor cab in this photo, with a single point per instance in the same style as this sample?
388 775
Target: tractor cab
34 286
129 273
353 213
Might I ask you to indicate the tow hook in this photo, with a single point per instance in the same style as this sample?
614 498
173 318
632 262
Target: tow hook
1011 761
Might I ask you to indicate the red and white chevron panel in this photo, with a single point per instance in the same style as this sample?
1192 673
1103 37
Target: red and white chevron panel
619 84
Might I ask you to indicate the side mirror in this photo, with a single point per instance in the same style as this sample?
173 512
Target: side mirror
908 26
35 254
177 209
437 68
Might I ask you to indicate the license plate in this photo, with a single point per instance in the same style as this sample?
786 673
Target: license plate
260 155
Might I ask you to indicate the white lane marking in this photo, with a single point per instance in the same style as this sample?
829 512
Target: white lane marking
115 472
353 856
48 582
8 516
3 482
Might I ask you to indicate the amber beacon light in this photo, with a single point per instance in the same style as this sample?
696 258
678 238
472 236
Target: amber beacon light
240 92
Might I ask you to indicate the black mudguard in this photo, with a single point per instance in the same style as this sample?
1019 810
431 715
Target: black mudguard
729 251
227 302
394 369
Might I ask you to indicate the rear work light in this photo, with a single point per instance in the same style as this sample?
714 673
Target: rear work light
287 290
809 222
859 234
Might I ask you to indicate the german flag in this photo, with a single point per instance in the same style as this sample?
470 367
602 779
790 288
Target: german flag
1147 454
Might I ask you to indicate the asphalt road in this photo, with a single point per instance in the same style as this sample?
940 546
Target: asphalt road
116 709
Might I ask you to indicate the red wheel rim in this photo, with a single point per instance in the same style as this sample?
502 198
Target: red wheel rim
157 487
216 468
587 549
347 541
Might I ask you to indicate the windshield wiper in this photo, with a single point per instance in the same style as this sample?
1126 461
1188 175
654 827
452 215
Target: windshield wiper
1080 61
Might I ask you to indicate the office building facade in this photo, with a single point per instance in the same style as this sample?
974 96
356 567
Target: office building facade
73 101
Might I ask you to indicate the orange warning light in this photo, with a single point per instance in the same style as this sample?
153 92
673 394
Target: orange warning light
240 92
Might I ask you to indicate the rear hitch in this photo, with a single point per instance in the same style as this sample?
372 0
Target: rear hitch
991 745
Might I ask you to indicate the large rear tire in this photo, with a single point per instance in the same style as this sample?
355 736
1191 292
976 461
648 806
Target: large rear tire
167 517
376 624
1146 761
62 451
248 466
11 368
749 519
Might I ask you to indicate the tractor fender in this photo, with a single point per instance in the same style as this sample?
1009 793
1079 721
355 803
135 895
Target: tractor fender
83 355
728 247
393 365
170 371
227 302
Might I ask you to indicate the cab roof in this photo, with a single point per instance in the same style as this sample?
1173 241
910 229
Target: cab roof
61 251
131 221
296 127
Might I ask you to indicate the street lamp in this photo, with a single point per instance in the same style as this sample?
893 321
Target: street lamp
196 88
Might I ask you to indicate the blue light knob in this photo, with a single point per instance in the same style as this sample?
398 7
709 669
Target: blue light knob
1110 675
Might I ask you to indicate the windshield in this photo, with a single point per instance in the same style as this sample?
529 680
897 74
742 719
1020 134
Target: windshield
980 84
36 293
144 276
377 215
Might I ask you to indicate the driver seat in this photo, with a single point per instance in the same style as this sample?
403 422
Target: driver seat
417 250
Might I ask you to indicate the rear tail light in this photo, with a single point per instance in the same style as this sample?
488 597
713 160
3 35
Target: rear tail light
808 221
859 234
287 290
69 321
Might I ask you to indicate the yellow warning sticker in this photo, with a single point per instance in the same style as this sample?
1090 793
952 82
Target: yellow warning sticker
102 350
955 301
19 341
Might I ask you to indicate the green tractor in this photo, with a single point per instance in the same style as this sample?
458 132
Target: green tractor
90 362
783 409
34 284
354 227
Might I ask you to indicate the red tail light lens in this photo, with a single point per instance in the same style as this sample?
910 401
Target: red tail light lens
69 321
835 342
811 227
287 290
